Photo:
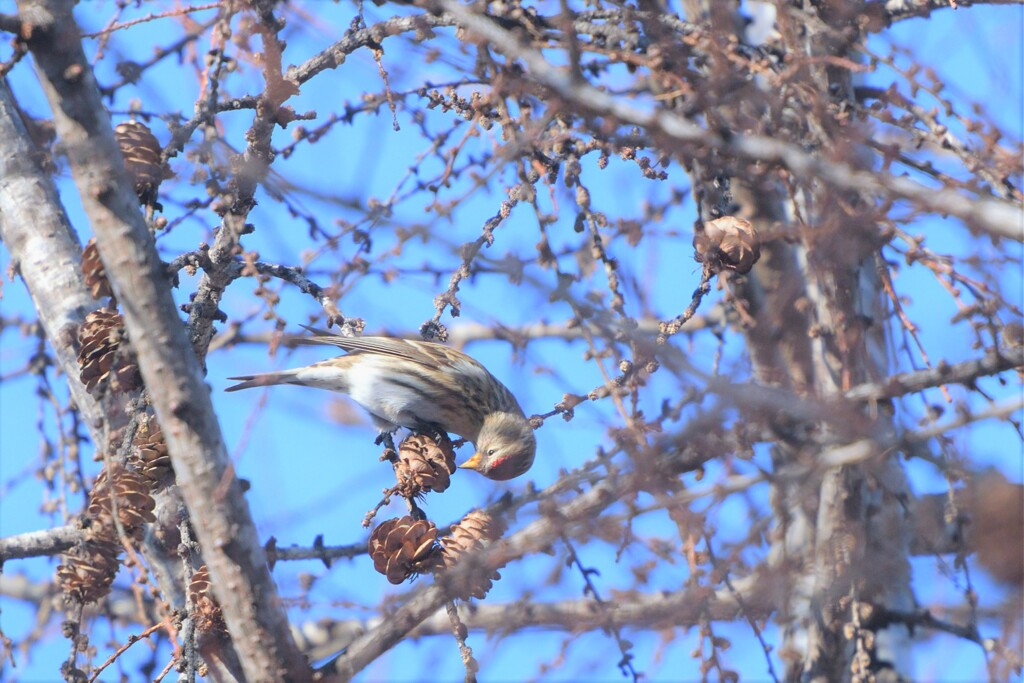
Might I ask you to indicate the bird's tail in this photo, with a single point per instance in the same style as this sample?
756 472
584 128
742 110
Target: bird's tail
265 379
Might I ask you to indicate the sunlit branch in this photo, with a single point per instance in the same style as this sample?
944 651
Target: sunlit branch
37 543
960 373
995 217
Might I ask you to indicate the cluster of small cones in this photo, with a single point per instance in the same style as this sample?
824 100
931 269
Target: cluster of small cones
94 272
104 354
149 454
141 152
425 464
403 548
119 498
205 609
127 493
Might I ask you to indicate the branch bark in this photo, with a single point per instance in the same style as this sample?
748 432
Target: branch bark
961 373
897 10
39 543
46 252
44 249
220 514
991 216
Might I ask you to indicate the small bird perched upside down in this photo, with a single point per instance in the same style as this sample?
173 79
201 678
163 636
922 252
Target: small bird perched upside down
421 386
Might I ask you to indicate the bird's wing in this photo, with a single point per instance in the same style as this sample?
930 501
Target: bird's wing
424 353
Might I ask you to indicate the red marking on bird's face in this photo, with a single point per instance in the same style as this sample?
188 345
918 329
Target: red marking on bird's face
501 469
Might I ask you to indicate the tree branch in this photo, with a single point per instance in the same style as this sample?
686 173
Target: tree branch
961 373
44 249
219 512
37 543
46 252
898 10
200 258
992 216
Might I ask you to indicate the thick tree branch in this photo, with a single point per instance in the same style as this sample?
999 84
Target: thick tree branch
897 10
169 367
46 252
44 249
961 373
320 638
39 543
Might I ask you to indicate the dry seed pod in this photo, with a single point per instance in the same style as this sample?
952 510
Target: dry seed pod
95 275
205 608
135 504
89 570
425 464
727 243
141 152
476 530
104 354
401 548
149 454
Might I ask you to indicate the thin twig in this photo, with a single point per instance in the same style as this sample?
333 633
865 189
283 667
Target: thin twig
132 639
670 327
460 632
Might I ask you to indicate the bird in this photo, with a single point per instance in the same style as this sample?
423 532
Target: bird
421 386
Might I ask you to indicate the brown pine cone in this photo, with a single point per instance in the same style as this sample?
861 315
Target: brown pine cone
141 152
402 547
149 453
135 504
476 530
1013 334
205 609
104 353
425 464
95 275
727 243
89 570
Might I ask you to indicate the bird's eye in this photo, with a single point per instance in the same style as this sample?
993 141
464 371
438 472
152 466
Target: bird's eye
490 452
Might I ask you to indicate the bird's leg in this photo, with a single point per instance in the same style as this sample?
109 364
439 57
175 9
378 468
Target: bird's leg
390 452
385 437
391 455
435 432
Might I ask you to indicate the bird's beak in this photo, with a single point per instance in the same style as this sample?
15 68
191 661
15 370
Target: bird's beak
473 463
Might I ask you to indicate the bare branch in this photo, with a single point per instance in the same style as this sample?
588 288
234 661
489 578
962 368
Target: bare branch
168 364
318 551
44 248
200 258
39 543
961 373
994 217
999 411
335 55
898 10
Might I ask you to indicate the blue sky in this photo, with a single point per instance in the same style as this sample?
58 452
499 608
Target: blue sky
311 476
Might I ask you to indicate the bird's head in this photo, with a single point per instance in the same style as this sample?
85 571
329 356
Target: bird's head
504 448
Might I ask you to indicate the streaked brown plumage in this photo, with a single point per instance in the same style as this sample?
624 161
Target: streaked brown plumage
421 385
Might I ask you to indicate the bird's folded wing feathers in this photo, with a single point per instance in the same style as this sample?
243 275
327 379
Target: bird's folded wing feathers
417 352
